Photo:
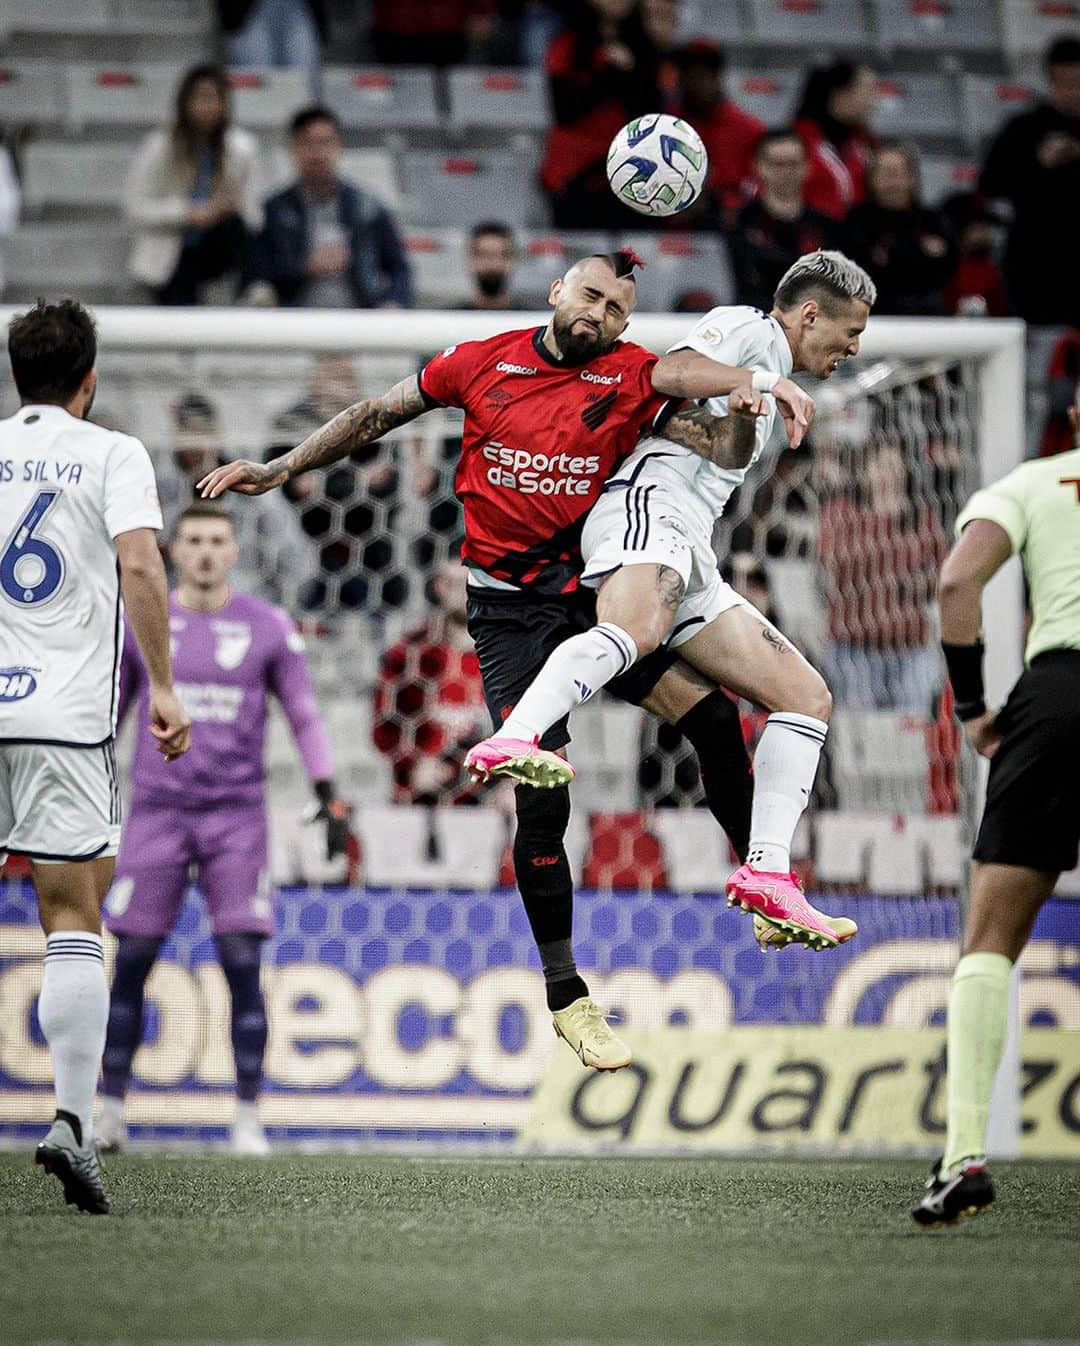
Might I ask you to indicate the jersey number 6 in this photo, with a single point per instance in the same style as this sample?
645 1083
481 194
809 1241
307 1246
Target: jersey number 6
31 569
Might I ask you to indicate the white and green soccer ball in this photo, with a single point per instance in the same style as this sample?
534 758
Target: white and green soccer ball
657 164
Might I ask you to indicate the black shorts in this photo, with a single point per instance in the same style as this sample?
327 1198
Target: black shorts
1032 813
515 631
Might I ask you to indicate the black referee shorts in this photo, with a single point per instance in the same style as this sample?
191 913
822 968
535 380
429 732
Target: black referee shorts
1032 813
515 631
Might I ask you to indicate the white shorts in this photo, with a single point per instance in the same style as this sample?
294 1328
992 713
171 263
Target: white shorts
648 525
59 803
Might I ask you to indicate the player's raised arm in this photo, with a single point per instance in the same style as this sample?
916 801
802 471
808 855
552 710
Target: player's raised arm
728 441
358 425
688 373
145 591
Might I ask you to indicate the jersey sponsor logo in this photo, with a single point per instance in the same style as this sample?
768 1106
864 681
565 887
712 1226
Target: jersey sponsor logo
16 684
596 413
505 368
605 379
232 642
533 473
211 702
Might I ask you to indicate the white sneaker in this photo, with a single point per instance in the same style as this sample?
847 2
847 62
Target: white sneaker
110 1132
583 1026
247 1137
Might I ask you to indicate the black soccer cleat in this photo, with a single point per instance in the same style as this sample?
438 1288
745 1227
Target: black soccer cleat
969 1191
77 1167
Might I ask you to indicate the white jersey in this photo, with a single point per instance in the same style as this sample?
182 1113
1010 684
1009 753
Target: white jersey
739 336
67 489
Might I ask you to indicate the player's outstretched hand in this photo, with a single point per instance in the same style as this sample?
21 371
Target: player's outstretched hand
240 475
169 724
797 409
983 733
746 402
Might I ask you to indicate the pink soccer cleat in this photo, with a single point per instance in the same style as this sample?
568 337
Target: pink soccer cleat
520 760
780 901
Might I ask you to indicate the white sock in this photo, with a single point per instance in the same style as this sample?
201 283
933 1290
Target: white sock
574 671
246 1114
73 1010
785 764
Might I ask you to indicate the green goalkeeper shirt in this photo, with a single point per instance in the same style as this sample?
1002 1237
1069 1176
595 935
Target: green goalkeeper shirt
1038 506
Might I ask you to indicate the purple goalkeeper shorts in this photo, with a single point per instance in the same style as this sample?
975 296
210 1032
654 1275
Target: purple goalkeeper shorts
158 848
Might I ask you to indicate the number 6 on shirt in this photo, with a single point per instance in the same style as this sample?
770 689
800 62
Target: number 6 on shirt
31 589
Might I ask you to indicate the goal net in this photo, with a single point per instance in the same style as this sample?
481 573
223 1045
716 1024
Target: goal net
405 996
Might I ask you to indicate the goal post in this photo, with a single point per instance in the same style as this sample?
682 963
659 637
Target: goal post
427 920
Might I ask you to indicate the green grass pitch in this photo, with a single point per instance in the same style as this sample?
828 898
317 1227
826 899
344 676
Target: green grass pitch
507 1252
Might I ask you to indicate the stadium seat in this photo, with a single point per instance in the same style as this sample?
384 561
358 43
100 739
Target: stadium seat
32 91
724 23
879 760
989 103
84 259
179 18
504 100
59 173
623 853
437 258
138 94
373 169
383 98
266 99
46 16
802 23
1029 26
544 255
768 95
943 177
696 855
936 25
403 845
918 105
677 264
605 754
461 189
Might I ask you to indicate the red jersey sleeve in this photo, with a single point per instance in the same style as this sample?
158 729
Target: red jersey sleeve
445 378
644 362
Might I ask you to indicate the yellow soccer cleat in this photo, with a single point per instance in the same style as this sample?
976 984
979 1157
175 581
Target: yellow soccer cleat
582 1025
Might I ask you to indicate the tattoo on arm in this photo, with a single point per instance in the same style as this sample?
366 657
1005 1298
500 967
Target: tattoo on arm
670 586
776 640
727 441
360 424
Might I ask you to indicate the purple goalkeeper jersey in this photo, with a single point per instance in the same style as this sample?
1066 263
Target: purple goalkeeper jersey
225 666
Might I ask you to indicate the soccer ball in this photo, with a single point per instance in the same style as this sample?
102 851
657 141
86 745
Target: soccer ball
657 164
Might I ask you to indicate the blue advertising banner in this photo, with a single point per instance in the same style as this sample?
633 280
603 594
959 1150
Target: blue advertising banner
413 1013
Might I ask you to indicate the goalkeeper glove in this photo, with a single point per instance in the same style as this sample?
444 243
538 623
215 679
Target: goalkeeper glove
335 813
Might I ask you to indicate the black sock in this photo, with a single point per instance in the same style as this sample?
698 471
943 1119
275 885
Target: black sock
241 958
72 1121
547 890
135 956
714 729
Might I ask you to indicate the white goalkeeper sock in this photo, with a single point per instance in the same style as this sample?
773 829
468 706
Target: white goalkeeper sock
785 765
73 1010
574 672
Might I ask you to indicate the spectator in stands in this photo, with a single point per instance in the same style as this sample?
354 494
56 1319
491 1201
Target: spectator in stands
976 289
10 201
730 134
350 512
429 704
776 227
192 195
1033 171
881 547
418 32
603 69
327 243
1063 373
907 247
282 33
276 563
832 119
492 252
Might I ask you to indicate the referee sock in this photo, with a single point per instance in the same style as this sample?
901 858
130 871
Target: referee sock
73 1009
785 765
978 1017
574 672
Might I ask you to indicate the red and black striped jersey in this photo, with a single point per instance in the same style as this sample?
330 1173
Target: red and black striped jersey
540 440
